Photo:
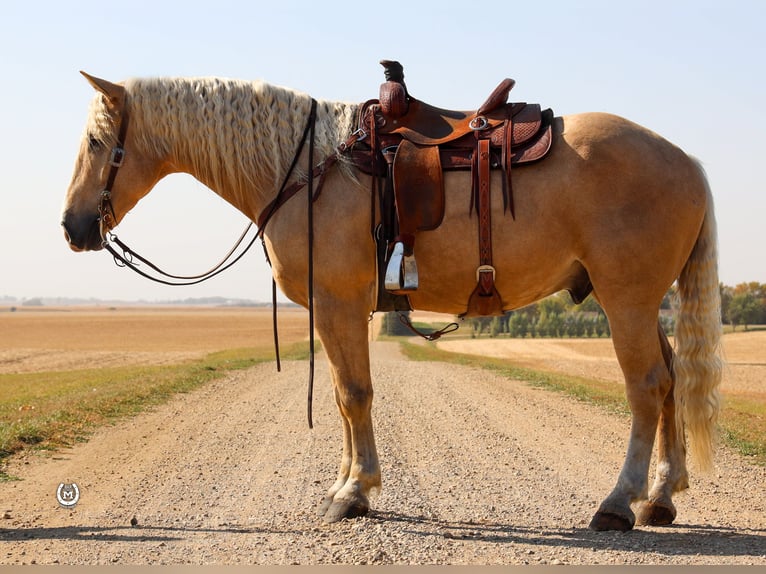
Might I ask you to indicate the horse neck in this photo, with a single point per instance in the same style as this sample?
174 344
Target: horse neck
238 138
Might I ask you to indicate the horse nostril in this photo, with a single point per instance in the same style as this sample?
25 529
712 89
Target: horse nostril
81 232
66 231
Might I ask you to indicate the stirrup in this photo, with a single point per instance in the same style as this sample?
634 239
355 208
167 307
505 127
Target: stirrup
402 270
410 273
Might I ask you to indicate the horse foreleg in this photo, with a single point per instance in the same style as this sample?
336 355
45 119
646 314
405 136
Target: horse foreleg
345 461
671 475
343 331
647 383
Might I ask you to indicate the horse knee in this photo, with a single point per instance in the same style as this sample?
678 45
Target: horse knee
354 399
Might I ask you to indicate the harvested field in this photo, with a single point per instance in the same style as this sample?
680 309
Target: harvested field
69 338
744 352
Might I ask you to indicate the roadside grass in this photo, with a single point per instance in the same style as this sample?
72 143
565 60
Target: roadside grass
742 421
51 410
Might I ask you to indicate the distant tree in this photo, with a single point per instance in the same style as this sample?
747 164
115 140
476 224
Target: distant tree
726 294
669 298
498 325
744 304
744 310
518 325
590 305
552 306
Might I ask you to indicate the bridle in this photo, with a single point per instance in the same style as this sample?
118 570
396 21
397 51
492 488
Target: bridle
106 216
107 220
126 256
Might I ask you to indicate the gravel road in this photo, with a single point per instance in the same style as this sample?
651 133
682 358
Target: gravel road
476 470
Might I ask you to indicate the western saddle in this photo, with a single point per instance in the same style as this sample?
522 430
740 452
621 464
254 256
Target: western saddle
409 144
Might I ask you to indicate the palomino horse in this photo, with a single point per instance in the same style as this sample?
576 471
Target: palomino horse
613 202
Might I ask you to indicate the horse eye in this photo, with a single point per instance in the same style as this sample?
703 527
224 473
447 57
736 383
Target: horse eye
94 144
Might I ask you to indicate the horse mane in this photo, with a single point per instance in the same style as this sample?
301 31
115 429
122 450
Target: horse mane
238 137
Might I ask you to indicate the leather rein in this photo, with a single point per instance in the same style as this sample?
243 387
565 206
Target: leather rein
128 258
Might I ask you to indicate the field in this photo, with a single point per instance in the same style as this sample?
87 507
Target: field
43 339
743 417
65 372
76 351
744 352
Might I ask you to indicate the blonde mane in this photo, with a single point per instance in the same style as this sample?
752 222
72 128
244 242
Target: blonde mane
237 137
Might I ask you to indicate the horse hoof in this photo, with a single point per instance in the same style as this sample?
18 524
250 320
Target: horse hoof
609 521
345 509
324 506
655 514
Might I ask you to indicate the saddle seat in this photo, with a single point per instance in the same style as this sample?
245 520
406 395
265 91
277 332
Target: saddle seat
425 124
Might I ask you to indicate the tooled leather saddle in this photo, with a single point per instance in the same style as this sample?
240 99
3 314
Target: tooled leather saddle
409 144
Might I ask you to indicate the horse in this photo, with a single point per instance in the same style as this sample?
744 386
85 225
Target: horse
613 203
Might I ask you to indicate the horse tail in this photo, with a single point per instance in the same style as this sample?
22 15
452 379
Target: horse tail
698 365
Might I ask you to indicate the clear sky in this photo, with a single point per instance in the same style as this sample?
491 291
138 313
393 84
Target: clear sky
691 70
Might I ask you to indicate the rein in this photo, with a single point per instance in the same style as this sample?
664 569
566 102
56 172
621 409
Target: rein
107 220
128 257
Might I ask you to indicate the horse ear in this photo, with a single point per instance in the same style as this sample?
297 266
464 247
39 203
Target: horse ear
113 92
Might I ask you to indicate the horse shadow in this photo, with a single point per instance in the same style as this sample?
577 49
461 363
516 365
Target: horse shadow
150 533
674 540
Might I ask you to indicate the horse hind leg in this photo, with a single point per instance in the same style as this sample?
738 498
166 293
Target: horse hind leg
671 474
647 383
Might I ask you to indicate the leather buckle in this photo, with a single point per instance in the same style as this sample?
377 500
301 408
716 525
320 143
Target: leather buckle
117 157
484 269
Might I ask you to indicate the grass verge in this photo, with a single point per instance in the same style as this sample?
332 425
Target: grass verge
51 410
742 420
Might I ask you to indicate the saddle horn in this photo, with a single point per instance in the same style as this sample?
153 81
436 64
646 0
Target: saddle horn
394 99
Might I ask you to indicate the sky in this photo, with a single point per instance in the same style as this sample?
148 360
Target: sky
692 71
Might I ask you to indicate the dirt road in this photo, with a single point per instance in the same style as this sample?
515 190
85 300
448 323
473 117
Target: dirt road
476 470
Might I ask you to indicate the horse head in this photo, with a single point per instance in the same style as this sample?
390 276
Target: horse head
111 173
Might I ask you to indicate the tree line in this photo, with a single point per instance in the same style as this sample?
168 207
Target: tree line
558 316
744 305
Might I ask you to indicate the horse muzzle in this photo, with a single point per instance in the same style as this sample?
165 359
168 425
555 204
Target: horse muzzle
82 232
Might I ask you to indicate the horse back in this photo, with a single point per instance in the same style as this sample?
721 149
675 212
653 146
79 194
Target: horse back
611 195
